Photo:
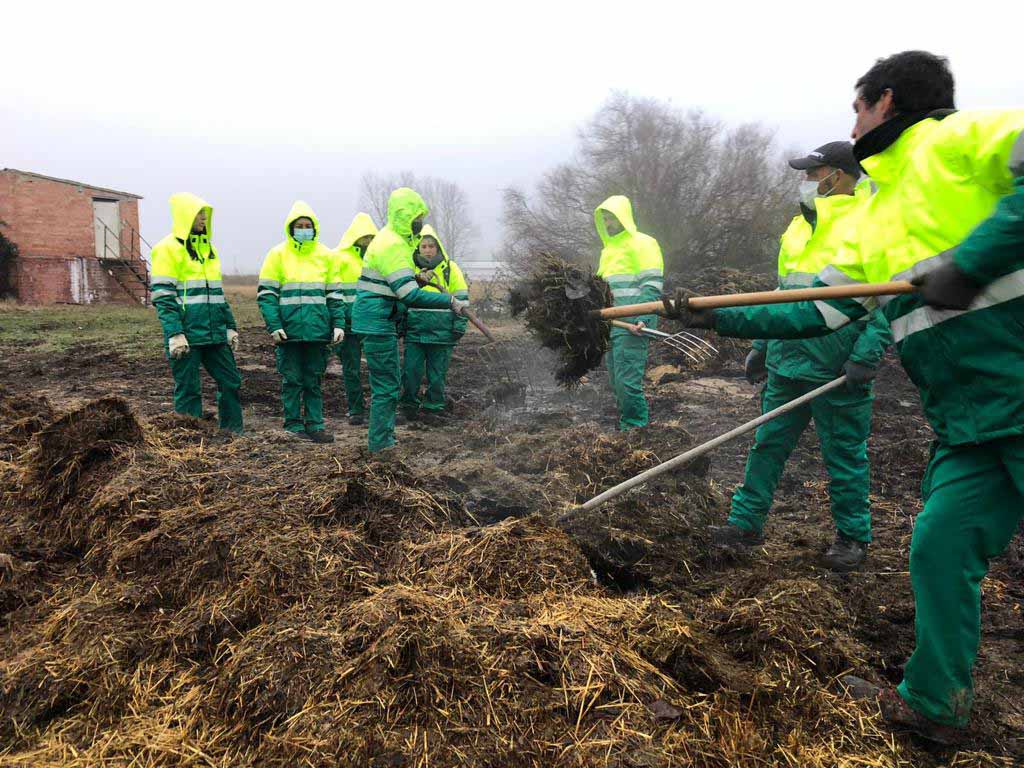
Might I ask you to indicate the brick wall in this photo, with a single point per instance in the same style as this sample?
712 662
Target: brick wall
43 281
52 222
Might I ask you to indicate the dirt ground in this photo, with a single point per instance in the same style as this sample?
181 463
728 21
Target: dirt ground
517 448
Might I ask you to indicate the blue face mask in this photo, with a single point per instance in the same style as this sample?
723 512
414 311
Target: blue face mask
304 235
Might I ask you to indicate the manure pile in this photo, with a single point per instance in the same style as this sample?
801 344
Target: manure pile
171 596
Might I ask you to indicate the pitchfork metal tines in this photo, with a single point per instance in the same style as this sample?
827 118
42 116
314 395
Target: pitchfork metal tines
695 348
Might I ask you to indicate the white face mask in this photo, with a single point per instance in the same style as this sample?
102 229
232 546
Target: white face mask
809 191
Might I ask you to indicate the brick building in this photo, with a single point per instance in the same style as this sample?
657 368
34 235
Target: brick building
77 244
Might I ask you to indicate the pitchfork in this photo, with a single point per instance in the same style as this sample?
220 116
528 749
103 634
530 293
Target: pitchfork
694 347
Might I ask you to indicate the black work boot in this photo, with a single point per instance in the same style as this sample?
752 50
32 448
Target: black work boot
900 715
731 536
319 436
356 419
845 554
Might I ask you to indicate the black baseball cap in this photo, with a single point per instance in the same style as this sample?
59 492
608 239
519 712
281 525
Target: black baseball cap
835 154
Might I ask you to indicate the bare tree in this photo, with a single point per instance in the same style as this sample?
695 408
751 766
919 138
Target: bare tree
709 194
450 212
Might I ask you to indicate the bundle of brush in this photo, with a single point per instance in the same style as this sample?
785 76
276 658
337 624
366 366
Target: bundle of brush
556 301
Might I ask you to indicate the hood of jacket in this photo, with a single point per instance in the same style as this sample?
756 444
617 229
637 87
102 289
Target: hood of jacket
404 206
300 209
184 208
361 226
619 207
429 231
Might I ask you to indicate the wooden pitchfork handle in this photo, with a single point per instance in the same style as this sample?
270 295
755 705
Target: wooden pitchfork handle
855 291
467 313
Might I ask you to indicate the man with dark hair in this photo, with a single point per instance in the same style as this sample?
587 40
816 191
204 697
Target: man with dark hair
831 203
948 187
912 81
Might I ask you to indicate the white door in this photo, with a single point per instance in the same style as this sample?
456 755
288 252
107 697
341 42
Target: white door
108 229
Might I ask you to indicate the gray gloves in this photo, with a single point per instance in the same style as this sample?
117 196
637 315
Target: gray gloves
858 376
754 367
678 308
947 287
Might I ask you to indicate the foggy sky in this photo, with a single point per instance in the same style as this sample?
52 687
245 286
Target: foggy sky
256 105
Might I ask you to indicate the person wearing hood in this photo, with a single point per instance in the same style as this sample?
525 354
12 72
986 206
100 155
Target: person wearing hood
944 179
303 317
386 283
632 265
199 328
348 264
431 334
831 204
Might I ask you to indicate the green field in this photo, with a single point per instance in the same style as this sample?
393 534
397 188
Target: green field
130 330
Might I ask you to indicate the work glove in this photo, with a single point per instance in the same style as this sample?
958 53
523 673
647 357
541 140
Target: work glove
947 287
754 367
858 376
459 307
177 346
637 329
339 336
677 307
279 336
233 339
426 277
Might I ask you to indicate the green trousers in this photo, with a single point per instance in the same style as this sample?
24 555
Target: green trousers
843 421
302 365
973 503
432 359
626 363
382 363
350 353
219 362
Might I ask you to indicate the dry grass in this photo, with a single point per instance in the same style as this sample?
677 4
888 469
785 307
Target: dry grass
172 596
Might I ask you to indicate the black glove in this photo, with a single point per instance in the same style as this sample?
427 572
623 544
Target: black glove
677 307
858 376
947 287
754 367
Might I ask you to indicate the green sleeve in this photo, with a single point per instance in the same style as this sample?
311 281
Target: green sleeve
760 345
335 301
799 320
874 339
168 311
229 317
410 294
268 294
996 246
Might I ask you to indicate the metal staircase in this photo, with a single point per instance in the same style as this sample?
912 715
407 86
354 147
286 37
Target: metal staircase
131 273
